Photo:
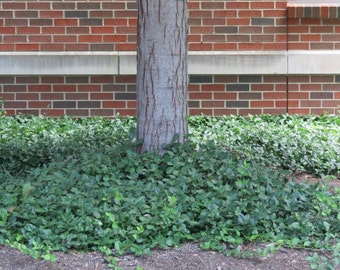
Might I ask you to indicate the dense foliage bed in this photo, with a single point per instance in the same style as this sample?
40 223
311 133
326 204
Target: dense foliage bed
78 184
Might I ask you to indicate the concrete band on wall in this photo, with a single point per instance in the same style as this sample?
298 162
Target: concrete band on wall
200 62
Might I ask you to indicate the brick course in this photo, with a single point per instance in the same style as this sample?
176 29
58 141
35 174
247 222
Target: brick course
222 25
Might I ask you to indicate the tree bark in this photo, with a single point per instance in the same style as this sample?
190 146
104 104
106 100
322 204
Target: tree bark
162 73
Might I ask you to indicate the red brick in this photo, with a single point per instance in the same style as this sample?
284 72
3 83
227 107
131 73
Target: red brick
27 96
293 103
125 14
250 46
14 5
51 47
225 13
200 14
39 104
52 112
126 112
299 29
331 87
298 95
249 111
225 96
280 103
262 103
15 104
115 21
131 104
193 5
16 22
322 111
40 88
321 46
249 13
193 111
51 96
102 112
114 104
298 46
53 30
237 5
101 96
39 38
90 38
201 47
15 39
27 47
215 21
89 88
200 95
238 21
212 5
101 13
224 46
64 88
66 22
102 30
28 30
310 103
7 30
77 113
221 112
321 29
333 37
250 29
275 46
331 22
298 111
102 79
213 38
38 5
213 87
275 13
212 104
51 14
125 47
262 5
64 38
194 38
311 37
125 79
202 30
52 79
114 38
310 22
274 95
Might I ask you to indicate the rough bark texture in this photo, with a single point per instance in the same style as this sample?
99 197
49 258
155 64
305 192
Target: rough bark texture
161 72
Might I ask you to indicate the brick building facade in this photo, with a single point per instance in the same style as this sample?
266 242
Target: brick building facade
78 57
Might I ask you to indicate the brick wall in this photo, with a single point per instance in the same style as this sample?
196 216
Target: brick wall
226 26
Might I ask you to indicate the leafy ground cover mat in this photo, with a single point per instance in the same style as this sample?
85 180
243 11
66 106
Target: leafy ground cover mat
78 185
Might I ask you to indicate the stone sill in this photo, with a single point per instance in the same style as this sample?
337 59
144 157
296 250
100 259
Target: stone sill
314 9
200 63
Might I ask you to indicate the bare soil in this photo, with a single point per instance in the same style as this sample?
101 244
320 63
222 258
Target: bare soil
187 257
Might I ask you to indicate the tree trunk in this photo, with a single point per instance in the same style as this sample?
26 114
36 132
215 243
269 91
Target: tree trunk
162 73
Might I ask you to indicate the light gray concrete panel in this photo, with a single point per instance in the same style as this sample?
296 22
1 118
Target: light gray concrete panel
200 62
128 63
314 62
237 62
58 63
